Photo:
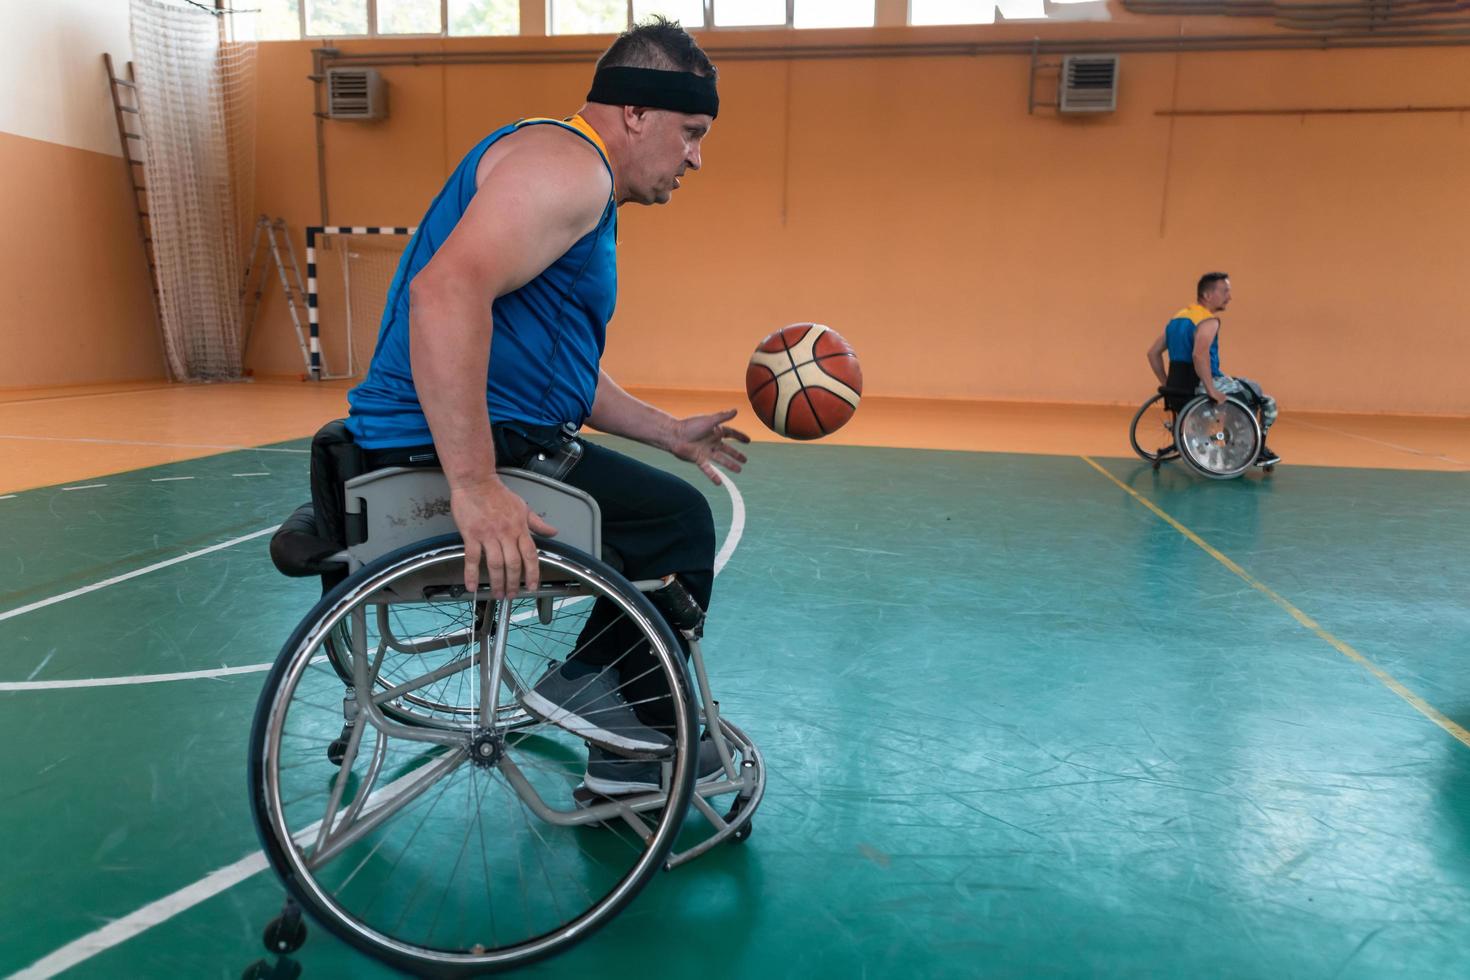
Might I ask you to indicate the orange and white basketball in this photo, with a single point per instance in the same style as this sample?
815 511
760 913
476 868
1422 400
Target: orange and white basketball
804 381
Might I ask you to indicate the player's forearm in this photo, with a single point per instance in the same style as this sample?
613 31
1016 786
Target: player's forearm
1156 361
618 413
449 346
1206 376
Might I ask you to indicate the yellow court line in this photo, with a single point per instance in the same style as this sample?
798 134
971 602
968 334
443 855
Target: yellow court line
1384 677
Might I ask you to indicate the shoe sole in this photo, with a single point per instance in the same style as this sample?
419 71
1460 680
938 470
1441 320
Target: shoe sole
608 787
555 714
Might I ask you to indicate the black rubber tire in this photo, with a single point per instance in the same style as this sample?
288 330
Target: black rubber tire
536 948
1149 456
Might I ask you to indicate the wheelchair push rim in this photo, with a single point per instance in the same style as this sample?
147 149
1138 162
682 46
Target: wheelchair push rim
525 874
1218 441
432 707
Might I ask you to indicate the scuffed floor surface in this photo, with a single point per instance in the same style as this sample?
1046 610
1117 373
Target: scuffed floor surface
1016 723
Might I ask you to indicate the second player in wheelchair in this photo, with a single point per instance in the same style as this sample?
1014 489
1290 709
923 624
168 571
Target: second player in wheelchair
1215 422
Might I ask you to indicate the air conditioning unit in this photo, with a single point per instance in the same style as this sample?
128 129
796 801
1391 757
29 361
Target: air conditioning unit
356 93
1089 83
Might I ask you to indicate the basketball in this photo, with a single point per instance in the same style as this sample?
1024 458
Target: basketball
804 381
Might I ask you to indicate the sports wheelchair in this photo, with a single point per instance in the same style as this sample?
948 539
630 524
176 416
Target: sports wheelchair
1219 441
402 791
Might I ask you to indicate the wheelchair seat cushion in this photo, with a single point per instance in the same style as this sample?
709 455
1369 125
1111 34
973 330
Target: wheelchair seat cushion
298 550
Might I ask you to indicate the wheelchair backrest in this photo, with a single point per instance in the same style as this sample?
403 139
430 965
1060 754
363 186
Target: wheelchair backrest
400 505
1181 386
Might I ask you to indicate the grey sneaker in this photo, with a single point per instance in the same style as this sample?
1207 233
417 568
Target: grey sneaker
613 775
592 707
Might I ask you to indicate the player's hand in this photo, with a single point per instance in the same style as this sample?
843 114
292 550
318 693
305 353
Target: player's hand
1218 397
704 440
497 526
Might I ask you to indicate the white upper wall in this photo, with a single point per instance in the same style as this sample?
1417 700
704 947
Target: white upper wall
51 69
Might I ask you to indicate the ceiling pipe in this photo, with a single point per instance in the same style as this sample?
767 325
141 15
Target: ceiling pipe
1159 44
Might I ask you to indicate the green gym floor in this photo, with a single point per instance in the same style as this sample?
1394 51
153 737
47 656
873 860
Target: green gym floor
1023 715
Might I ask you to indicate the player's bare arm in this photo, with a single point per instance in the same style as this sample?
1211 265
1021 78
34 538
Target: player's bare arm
1156 358
1203 338
703 440
535 199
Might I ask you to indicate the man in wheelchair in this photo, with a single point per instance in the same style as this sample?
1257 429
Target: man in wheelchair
1192 338
489 353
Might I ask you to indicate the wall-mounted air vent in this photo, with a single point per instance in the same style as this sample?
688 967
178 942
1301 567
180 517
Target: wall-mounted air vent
1089 83
356 93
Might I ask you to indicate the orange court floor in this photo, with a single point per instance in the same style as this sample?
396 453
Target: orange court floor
60 435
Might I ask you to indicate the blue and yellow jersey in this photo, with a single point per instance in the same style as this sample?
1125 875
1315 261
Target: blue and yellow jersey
547 339
1179 335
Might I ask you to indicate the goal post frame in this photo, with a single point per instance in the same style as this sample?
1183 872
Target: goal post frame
313 317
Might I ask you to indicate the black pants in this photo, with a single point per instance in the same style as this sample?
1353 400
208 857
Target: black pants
653 522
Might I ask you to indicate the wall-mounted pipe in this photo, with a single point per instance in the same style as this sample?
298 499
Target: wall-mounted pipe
954 49
1320 111
318 76
323 58
1329 17
1273 8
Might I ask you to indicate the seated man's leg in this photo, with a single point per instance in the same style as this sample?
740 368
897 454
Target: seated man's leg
1241 389
1261 401
659 525
1250 392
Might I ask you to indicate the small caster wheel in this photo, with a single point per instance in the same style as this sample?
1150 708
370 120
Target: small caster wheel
337 751
1270 468
284 969
743 833
285 934
1156 466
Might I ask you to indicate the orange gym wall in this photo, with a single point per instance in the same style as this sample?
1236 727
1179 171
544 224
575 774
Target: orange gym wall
76 305
967 249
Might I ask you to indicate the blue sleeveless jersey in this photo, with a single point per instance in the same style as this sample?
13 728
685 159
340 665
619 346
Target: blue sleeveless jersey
1179 334
548 335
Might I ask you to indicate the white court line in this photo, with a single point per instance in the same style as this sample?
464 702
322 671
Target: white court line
1380 442
85 394
79 950
145 918
155 913
169 445
183 675
732 541
249 474
12 613
169 479
8 496
85 486
127 679
737 523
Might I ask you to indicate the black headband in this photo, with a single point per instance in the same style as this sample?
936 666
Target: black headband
678 91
